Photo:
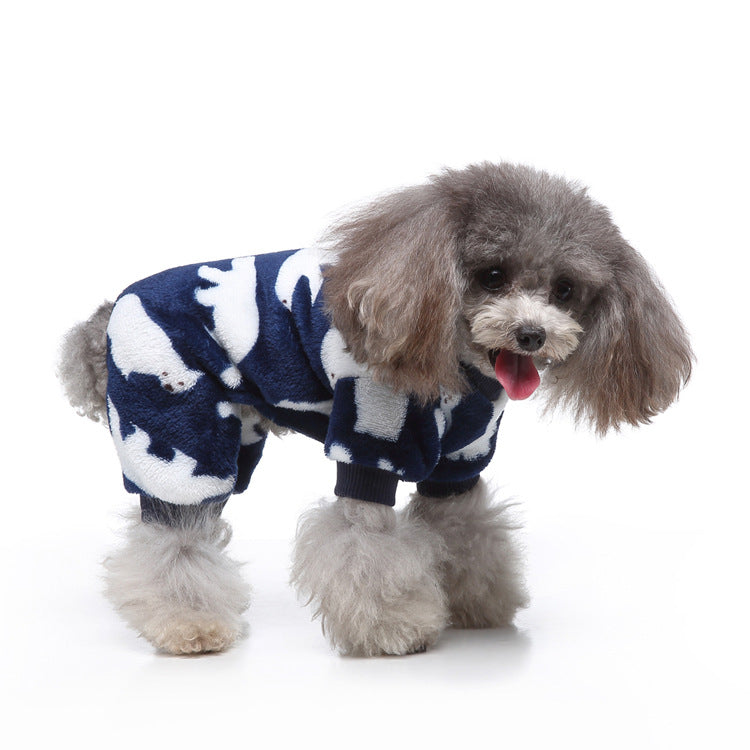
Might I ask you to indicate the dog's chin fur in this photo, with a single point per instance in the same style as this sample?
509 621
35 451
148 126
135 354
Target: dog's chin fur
176 586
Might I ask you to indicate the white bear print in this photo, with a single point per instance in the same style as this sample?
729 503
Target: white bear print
304 262
336 360
386 465
444 412
172 481
235 311
251 430
481 446
340 453
322 407
381 411
139 345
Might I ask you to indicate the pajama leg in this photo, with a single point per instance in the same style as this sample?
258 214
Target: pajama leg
252 441
171 514
181 447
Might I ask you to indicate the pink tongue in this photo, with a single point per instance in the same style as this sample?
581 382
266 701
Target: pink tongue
516 374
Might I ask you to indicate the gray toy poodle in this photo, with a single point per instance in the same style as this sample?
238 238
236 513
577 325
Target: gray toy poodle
396 343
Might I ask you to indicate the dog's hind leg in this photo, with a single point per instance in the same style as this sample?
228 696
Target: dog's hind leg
372 576
481 563
173 582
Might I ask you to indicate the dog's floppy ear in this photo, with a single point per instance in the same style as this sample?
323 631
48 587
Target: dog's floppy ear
634 355
394 290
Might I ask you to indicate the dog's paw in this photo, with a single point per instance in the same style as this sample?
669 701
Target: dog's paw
192 633
176 586
405 618
489 601
373 579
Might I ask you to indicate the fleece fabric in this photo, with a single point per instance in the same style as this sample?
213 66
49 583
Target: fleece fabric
198 356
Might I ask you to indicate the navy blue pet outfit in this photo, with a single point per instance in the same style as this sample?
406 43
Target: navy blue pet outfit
201 356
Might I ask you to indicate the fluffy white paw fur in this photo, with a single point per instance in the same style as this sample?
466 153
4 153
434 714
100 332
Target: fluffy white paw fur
481 564
176 586
373 577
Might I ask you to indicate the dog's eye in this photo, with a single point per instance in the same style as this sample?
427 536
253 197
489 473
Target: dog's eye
562 290
491 279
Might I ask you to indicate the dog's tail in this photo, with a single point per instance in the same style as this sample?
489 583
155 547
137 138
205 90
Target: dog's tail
82 367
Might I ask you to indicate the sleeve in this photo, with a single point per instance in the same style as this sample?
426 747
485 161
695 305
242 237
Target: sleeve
378 437
469 429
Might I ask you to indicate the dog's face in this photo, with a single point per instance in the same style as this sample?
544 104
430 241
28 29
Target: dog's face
514 271
528 284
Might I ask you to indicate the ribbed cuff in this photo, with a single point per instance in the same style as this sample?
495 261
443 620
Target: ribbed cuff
364 483
445 489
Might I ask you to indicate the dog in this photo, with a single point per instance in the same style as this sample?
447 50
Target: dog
397 344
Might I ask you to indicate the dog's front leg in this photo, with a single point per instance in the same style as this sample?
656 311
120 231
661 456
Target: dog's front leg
173 582
481 563
372 577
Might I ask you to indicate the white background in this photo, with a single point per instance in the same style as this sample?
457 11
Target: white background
141 135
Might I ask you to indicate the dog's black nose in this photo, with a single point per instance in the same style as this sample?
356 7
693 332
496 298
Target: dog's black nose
531 338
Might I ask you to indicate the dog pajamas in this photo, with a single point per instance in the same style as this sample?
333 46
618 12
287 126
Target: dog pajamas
200 356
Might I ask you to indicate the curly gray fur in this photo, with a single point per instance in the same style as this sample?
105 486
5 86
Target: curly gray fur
176 586
373 577
481 565
82 367
630 354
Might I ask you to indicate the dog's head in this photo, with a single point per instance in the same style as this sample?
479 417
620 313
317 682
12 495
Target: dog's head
514 271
